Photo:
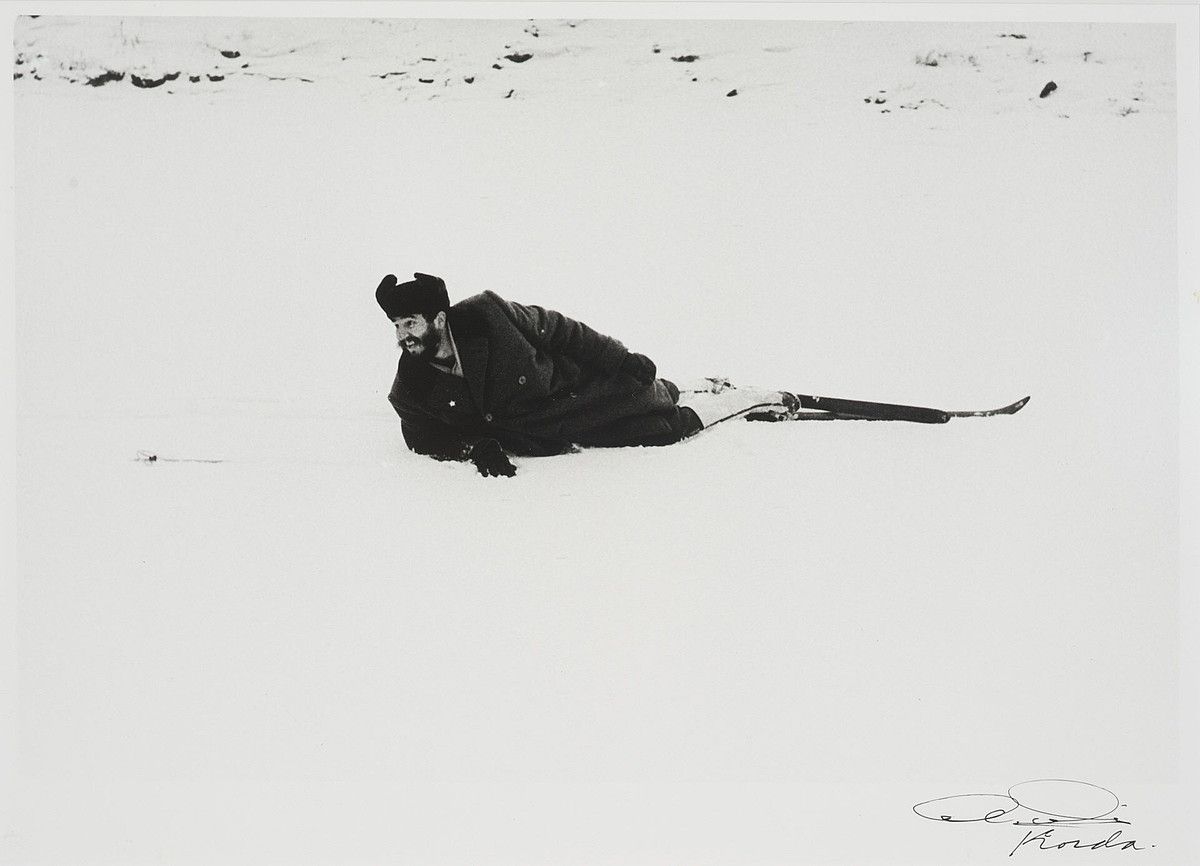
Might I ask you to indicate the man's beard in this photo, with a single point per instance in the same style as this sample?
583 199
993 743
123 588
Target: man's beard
425 346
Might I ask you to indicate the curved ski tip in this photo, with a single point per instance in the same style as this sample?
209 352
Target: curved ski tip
1020 404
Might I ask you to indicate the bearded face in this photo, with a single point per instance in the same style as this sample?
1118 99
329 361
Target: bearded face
417 336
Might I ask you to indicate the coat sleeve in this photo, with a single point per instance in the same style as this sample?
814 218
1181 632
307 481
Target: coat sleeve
555 332
425 435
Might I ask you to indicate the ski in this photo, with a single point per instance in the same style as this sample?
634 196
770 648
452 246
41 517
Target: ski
874 411
1010 409
837 409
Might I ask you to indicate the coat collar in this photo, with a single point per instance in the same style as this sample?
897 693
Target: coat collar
470 336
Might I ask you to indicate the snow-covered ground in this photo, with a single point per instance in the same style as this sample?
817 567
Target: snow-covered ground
763 645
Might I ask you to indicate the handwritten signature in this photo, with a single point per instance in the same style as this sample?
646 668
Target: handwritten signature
1047 805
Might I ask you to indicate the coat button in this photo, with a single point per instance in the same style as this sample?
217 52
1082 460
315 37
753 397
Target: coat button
487 417
520 380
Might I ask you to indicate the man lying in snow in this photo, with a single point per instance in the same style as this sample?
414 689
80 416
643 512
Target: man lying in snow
488 376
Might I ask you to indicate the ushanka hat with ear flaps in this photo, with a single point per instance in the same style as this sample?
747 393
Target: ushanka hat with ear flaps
424 294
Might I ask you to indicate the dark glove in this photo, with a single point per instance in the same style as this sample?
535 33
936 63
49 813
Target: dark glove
491 461
639 367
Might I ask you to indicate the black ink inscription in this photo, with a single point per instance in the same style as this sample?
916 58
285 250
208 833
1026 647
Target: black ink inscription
1050 806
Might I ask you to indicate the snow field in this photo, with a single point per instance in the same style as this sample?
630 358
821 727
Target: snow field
326 647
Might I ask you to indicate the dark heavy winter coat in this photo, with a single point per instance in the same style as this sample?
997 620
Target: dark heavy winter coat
533 379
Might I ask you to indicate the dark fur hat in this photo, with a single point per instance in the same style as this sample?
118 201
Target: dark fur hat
425 295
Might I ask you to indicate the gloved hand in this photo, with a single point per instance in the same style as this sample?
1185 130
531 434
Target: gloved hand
640 367
491 461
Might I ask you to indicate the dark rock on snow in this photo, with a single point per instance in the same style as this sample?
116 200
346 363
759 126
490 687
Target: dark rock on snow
1048 89
105 77
138 81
